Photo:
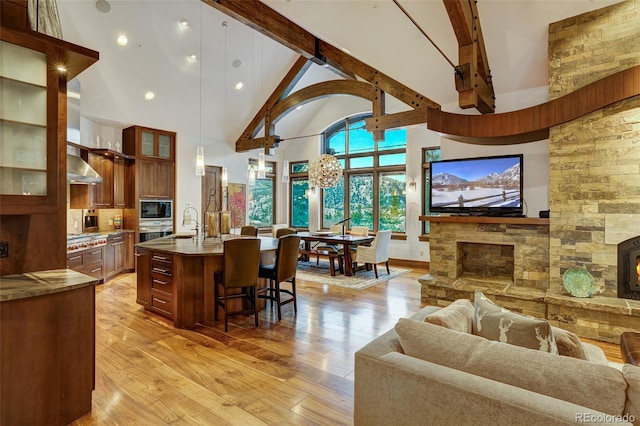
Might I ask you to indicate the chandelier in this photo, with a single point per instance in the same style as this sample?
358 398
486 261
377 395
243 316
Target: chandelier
324 171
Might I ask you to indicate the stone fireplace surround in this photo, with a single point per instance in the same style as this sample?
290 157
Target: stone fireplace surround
512 267
594 192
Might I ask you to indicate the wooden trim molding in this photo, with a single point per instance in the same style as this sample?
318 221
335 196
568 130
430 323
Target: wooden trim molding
530 124
486 219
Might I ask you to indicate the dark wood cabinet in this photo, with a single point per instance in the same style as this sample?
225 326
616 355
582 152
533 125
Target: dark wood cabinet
155 281
90 261
156 179
33 186
102 192
143 276
120 189
150 144
129 262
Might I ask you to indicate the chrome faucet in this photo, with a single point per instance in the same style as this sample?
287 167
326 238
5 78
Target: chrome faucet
184 218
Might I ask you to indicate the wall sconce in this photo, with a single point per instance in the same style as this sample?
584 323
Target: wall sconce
285 172
412 186
252 176
200 161
224 178
261 166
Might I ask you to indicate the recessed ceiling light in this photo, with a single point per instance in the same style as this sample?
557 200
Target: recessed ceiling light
149 95
103 6
237 63
299 107
346 50
239 85
184 23
61 68
122 40
192 57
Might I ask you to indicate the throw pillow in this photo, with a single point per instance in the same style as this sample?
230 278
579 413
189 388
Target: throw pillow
494 322
568 343
457 316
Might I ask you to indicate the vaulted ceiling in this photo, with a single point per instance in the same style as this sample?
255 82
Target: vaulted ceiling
202 93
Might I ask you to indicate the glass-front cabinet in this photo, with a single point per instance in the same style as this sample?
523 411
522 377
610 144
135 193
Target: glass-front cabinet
23 121
152 144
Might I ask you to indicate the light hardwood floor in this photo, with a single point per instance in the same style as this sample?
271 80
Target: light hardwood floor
295 371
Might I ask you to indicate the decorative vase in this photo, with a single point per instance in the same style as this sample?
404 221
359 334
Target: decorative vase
213 224
579 282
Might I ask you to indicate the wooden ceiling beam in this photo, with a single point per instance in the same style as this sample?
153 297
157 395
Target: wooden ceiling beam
283 89
266 142
270 23
398 119
473 76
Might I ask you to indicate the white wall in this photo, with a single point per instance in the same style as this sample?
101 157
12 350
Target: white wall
318 117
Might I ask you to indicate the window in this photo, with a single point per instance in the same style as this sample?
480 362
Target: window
299 186
372 191
428 155
261 196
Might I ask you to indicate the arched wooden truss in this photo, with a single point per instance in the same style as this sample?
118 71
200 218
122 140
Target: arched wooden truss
271 113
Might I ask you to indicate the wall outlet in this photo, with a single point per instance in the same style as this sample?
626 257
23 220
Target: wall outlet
4 249
421 253
187 205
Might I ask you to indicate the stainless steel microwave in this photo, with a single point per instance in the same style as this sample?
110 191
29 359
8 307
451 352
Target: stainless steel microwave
156 209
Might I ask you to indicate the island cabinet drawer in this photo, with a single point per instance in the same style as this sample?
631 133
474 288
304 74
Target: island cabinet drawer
75 262
161 283
95 270
162 304
162 264
93 255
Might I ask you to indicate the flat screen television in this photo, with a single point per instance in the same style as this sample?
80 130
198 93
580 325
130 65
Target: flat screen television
486 186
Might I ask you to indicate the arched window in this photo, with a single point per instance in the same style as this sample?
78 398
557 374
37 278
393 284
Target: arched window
372 191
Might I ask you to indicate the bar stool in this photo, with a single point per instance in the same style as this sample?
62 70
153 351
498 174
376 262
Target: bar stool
241 266
282 271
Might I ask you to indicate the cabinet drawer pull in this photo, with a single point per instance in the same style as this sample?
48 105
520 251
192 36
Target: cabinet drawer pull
137 254
161 282
96 252
159 300
162 271
75 257
116 238
118 244
96 270
156 257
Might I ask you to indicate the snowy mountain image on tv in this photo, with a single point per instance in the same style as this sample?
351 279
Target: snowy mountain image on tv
476 183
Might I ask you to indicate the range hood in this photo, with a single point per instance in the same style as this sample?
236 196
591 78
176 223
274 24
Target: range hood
79 171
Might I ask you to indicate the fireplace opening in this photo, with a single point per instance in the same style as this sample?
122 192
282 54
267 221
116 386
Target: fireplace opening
629 269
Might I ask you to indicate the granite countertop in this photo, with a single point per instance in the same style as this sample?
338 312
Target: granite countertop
187 245
32 284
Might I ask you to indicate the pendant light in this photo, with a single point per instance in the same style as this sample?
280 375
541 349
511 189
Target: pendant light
261 166
225 178
285 172
200 161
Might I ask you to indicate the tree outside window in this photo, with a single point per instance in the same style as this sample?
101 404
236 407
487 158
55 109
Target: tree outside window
299 187
372 191
428 155
261 196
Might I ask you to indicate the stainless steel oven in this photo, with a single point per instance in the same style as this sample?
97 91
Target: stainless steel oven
89 221
152 229
156 210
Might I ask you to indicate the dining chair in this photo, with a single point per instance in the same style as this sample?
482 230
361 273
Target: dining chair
281 232
241 267
249 230
359 230
282 271
377 252
276 226
332 251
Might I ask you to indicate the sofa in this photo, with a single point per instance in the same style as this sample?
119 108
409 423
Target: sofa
424 374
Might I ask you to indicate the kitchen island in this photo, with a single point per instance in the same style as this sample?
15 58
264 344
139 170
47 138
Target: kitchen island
47 351
175 276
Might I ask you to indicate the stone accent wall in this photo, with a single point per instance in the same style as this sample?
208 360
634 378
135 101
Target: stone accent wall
529 244
594 160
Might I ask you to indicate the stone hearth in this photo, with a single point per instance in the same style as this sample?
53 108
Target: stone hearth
508 260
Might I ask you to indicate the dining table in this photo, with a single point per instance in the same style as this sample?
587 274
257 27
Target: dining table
344 240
